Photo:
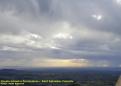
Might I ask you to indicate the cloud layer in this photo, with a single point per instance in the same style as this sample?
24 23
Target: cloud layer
72 33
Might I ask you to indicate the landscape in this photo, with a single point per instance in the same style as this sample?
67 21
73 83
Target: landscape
80 76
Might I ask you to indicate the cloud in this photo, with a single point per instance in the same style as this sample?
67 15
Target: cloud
77 32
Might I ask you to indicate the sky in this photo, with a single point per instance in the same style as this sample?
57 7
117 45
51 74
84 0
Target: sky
60 33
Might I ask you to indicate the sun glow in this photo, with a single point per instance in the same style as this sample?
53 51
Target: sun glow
97 17
59 63
118 1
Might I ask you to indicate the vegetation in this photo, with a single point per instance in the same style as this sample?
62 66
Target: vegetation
80 78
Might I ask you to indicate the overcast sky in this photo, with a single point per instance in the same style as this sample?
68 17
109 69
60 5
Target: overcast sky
60 33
